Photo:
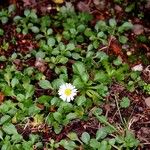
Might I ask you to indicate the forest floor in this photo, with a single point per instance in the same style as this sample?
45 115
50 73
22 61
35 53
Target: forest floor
34 62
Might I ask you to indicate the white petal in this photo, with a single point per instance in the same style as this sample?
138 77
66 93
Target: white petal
63 97
67 99
71 97
61 91
62 86
62 94
67 85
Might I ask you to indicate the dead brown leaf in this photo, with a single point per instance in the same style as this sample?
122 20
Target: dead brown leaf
41 106
2 96
40 64
82 6
115 47
52 108
12 1
147 101
28 2
58 1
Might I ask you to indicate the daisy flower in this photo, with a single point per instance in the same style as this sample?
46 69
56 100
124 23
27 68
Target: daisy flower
67 92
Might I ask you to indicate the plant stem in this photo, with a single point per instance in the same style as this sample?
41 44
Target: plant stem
118 108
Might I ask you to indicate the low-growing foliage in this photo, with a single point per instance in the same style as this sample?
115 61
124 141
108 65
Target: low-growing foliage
69 47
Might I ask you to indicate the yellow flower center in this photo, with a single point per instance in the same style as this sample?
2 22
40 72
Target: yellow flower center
68 92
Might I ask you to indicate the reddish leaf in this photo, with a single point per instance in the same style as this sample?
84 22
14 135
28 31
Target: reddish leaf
2 96
12 1
40 106
28 2
115 47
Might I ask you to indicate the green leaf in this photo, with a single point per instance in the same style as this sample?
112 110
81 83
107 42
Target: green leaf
35 29
63 60
29 91
20 97
103 145
73 136
112 22
125 102
101 34
71 116
101 133
79 68
96 44
40 54
18 30
8 91
66 35
4 119
49 31
39 36
9 129
80 100
45 21
25 31
27 12
85 137
101 55
93 94
68 145
4 20
57 83
101 77
81 28
130 7
33 109
94 144
130 140
11 8
55 101
16 138
97 111
80 38
6 106
85 77
123 39
34 138
76 56
1 32
125 26
17 18
6 146
118 61
70 46
14 82
1 135
101 25
88 32
90 47
44 99
45 84
78 83
57 116
51 41
103 120
112 141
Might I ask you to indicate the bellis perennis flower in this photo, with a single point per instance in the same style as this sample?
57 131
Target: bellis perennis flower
67 92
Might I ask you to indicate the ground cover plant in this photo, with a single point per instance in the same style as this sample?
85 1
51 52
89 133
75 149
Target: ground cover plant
72 79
